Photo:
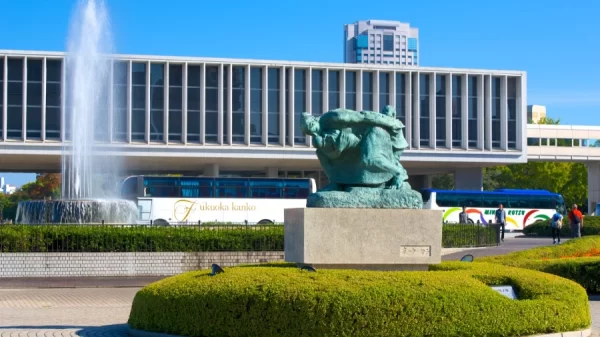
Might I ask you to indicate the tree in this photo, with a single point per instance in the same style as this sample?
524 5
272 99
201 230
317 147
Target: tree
568 179
443 181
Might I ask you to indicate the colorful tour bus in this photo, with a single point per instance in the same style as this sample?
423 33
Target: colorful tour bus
523 207
165 200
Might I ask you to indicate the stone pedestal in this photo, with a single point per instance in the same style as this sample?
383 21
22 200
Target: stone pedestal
370 239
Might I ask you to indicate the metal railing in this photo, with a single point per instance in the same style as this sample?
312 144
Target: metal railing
140 238
208 237
470 235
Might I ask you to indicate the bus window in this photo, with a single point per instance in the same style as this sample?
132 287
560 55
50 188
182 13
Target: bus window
162 187
262 188
296 189
197 187
231 188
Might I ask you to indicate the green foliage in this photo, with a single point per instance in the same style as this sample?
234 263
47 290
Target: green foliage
559 260
591 226
208 237
453 300
455 235
443 181
46 185
25 238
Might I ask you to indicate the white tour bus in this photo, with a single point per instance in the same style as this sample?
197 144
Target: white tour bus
164 200
523 207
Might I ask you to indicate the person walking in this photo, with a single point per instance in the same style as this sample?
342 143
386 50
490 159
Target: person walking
576 219
501 219
557 220
463 217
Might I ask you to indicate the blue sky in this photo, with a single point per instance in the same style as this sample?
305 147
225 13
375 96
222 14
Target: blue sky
554 41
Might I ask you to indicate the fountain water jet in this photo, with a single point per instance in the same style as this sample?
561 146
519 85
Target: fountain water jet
88 196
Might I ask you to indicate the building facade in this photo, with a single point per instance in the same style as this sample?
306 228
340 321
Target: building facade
535 113
227 108
381 42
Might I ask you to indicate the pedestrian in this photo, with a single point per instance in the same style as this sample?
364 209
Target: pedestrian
463 217
501 219
556 224
576 219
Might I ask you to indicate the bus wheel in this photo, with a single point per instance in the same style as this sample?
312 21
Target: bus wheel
160 222
265 222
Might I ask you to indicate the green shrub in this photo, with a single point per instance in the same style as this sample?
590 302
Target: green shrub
454 300
208 237
561 260
458 235
591 226
69 238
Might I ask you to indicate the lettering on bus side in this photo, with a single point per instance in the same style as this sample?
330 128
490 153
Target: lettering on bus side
183 208
512 212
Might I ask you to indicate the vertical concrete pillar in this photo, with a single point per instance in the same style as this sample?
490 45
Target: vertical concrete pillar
468 179
593 186
211 170
272 172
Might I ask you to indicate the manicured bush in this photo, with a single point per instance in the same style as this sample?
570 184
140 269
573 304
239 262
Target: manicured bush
207 237
282 300
591 226
69 238
577 260
458 235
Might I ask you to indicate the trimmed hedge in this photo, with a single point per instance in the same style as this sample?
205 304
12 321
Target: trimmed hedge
567 260
459 235
74 238
282 300
591 226
213 237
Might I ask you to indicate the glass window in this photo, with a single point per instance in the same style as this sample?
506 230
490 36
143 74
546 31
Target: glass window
388 42
440 110
256 105
175 103
274 105
384 90
317 92
157 102
456 110
334 89
238 104
299 104
138 103
34 99
367 89
401 97
424 109
53 98
351 90
119 100
496 104
226 107
511 106
194 94
231 188
473 107
212 104
14 123
266 188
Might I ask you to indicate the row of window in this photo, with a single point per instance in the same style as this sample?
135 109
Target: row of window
174 187
564 142
312 88
492 200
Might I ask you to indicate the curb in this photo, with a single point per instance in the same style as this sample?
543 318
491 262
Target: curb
580 333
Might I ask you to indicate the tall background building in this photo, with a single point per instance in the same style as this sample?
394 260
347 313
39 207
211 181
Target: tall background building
535 113
381 42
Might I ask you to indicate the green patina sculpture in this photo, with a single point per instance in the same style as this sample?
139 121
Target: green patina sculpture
360 154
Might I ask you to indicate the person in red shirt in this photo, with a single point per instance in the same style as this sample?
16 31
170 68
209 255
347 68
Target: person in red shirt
576 219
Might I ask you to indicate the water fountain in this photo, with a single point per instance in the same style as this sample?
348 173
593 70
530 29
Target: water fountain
86 197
